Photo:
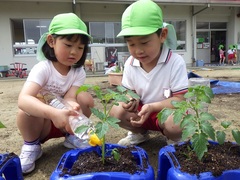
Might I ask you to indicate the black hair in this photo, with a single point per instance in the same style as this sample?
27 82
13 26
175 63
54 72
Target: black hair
159 31
50 55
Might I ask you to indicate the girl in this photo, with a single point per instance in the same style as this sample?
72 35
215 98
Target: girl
221 55
62 52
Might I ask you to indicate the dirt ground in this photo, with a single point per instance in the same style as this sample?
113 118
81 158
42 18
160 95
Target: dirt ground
223 107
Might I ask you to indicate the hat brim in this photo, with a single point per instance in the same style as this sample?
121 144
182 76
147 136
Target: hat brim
72 31
137 31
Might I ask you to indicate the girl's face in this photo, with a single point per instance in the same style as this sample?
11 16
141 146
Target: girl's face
147 48
67 52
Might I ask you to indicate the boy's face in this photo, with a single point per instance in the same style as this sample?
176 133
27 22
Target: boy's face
146 49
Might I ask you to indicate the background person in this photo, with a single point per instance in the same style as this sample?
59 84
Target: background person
221 55
230 55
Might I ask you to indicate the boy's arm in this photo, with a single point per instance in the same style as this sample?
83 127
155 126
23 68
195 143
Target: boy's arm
158 106
147 109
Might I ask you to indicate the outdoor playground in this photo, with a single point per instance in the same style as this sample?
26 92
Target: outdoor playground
225 106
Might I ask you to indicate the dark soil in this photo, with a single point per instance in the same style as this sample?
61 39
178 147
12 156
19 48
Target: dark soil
90 162
218 159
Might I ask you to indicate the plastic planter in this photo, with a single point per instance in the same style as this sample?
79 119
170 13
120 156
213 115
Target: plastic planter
167 170
68 159
10 167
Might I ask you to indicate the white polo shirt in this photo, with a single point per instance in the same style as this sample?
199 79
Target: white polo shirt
169 76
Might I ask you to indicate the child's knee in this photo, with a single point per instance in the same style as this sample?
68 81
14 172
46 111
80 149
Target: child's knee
171 130
85 99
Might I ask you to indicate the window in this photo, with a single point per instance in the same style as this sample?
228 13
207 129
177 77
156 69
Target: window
33 29
105 32
26 33
180 28
211 25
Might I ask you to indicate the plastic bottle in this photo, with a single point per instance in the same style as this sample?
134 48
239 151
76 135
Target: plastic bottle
81 139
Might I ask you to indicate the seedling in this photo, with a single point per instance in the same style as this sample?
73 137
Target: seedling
1 125
195 122
108 98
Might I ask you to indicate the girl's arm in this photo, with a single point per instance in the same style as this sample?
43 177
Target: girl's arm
71 98
29 103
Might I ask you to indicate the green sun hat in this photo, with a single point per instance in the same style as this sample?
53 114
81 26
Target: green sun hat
62 24
142 17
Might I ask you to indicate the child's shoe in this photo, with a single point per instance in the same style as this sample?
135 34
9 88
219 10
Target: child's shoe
134 139
29 154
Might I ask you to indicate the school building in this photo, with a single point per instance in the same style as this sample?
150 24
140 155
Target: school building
201 26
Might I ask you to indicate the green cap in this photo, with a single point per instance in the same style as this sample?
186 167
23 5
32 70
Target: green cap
62 24
142 17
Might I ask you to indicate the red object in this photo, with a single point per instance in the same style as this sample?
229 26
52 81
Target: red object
17 70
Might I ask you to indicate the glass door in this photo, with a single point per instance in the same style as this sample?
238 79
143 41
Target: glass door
203 46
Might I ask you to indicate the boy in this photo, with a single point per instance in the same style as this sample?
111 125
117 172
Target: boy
153 71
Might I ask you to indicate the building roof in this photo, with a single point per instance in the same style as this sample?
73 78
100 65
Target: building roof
179 2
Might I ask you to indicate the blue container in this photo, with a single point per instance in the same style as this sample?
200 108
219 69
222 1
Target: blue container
10 167
68 159
199 63
167 170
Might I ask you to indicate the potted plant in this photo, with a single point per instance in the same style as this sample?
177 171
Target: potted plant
102 160
115 76
201 141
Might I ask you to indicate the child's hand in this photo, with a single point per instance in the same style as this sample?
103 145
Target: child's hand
60 119
142 116
73 105
132 105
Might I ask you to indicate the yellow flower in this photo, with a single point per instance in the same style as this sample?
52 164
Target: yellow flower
94 140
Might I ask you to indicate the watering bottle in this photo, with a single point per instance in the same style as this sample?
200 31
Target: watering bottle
74 121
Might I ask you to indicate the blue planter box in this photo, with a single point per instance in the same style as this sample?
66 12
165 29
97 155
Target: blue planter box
167 170
10 167
68 159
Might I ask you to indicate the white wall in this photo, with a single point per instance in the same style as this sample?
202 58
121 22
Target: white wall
23 10
105 12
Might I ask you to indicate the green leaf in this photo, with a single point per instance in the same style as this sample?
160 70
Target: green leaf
1 125
189 130
164 114
115 154
199 144
204 98
84 88
225 124
101 129
205 116
221 136
81 129
186 120
236 135
177 117
133 94
98 114
207 128
122 89
121 98
209 92
189 94
112 121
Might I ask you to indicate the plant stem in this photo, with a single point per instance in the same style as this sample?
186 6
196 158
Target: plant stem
103 150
